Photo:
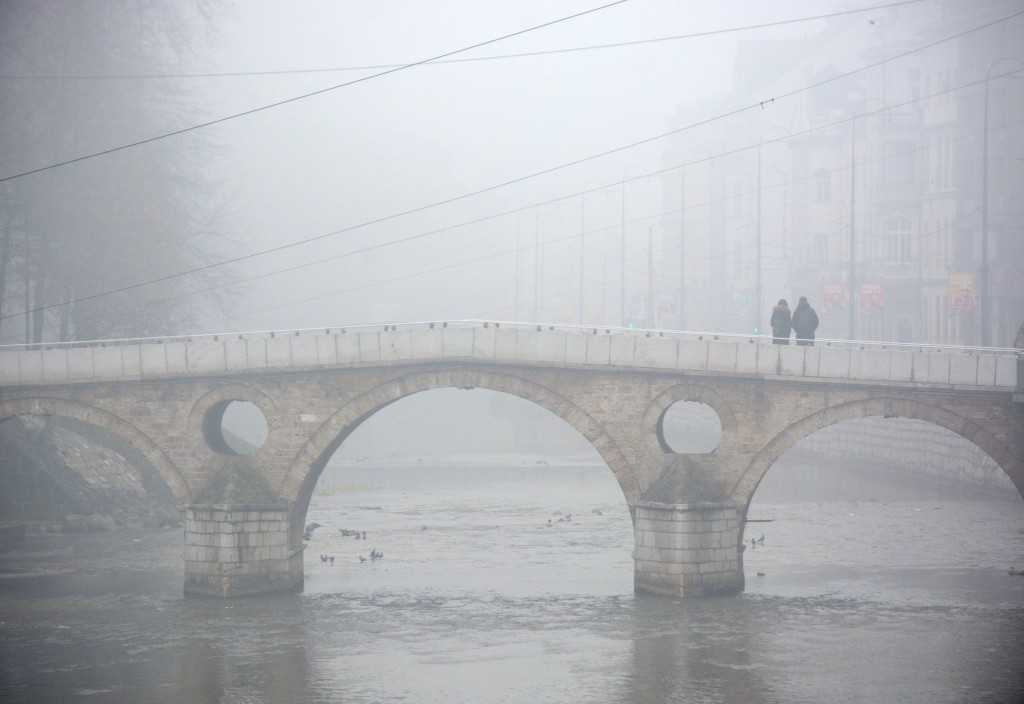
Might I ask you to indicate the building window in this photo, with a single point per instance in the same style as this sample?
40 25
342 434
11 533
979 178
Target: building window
823 185
897 240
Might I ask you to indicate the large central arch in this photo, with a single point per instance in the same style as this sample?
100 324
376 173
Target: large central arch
743 490
301 477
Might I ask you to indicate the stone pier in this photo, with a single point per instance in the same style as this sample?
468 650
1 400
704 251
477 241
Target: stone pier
687 550
239 550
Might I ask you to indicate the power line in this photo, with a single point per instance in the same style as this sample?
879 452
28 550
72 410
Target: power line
498 57
520 179
286 101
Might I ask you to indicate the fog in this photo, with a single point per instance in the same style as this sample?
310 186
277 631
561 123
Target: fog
369 162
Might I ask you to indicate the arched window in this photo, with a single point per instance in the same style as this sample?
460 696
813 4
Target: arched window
897 240
823 185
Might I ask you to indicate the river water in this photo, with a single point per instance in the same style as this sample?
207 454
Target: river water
486 594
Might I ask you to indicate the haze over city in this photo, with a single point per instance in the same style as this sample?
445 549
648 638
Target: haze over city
339 164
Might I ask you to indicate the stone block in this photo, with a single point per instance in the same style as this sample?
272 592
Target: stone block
9 368
812 361
540 346
483 342
346 347
55 365
722 356
834 362
656 352
768 359
902 366
131 360
427 343
326 349
870 364
279 352
746 357
622 352
1006 372
107 362
599 349
791 360
576 349
396 346
457 342
963 369
505 344
204 356
236 355
256 353
693 355
304 352
938 368
987 370
152 359
919 367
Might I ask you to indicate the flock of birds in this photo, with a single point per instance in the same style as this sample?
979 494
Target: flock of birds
375 554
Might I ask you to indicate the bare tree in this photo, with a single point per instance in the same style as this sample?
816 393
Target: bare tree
78 240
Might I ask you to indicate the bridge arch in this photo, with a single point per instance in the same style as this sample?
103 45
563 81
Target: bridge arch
45 406
301 477
743 490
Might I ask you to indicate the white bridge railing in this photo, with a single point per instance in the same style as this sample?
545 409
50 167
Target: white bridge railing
839 361
592 329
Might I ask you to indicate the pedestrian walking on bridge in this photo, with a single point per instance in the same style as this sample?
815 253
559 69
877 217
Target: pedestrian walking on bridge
805 322
781 323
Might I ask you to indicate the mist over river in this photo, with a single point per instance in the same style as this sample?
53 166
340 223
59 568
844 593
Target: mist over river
515 584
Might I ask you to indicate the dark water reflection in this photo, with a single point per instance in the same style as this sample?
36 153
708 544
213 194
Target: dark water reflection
859 602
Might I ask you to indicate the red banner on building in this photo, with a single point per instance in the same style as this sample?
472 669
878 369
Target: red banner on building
833 296
872 297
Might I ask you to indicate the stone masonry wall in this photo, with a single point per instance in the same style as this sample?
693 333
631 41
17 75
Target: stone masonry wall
239 550
687 550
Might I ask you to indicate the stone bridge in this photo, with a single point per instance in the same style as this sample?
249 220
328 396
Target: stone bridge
244 515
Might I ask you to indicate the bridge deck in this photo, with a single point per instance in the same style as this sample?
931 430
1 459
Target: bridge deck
512 343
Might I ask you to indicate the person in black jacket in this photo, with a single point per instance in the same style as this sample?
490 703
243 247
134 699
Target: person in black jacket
805 322
781 323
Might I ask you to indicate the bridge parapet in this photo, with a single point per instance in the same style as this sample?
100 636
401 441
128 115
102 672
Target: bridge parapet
564 346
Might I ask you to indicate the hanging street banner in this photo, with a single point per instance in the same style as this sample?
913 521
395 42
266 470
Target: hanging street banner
833 296
961 292
872 297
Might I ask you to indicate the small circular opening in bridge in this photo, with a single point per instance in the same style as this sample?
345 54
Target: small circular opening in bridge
235 428
689 427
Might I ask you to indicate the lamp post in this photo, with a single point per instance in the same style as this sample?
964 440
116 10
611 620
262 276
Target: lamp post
758 288
583 233
852 302
622 248
682 225
983 297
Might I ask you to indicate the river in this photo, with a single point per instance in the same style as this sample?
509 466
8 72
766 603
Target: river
486 593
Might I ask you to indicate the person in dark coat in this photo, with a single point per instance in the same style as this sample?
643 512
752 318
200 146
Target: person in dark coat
805 322
781 323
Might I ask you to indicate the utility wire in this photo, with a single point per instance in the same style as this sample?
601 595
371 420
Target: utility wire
487 189
286 101
520 55
704 260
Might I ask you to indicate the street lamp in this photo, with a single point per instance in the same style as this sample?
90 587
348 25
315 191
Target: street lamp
852 302
622 247
983 299
682 224
758 289
583 232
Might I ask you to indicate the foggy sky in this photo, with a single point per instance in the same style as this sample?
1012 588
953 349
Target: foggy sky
367 152
432 133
